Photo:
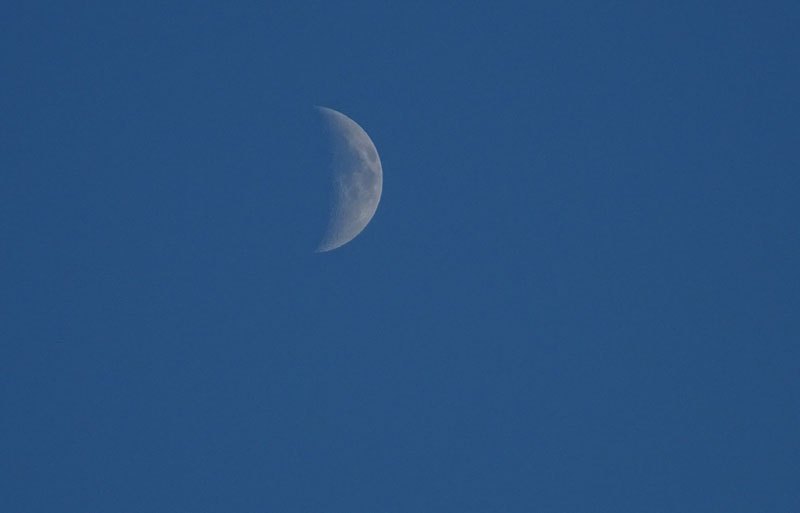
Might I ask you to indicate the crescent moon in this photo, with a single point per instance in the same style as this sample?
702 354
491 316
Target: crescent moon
357 180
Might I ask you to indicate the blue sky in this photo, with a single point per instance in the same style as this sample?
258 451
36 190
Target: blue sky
579 291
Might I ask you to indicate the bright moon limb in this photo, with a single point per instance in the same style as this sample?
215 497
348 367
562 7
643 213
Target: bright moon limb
357 180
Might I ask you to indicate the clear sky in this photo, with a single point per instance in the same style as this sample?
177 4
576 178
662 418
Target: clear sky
579 293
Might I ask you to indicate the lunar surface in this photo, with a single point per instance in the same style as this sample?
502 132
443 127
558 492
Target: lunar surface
357 179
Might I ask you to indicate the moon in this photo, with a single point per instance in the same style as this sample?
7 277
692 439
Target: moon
357 180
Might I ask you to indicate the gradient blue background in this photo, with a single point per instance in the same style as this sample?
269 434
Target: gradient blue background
580 292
